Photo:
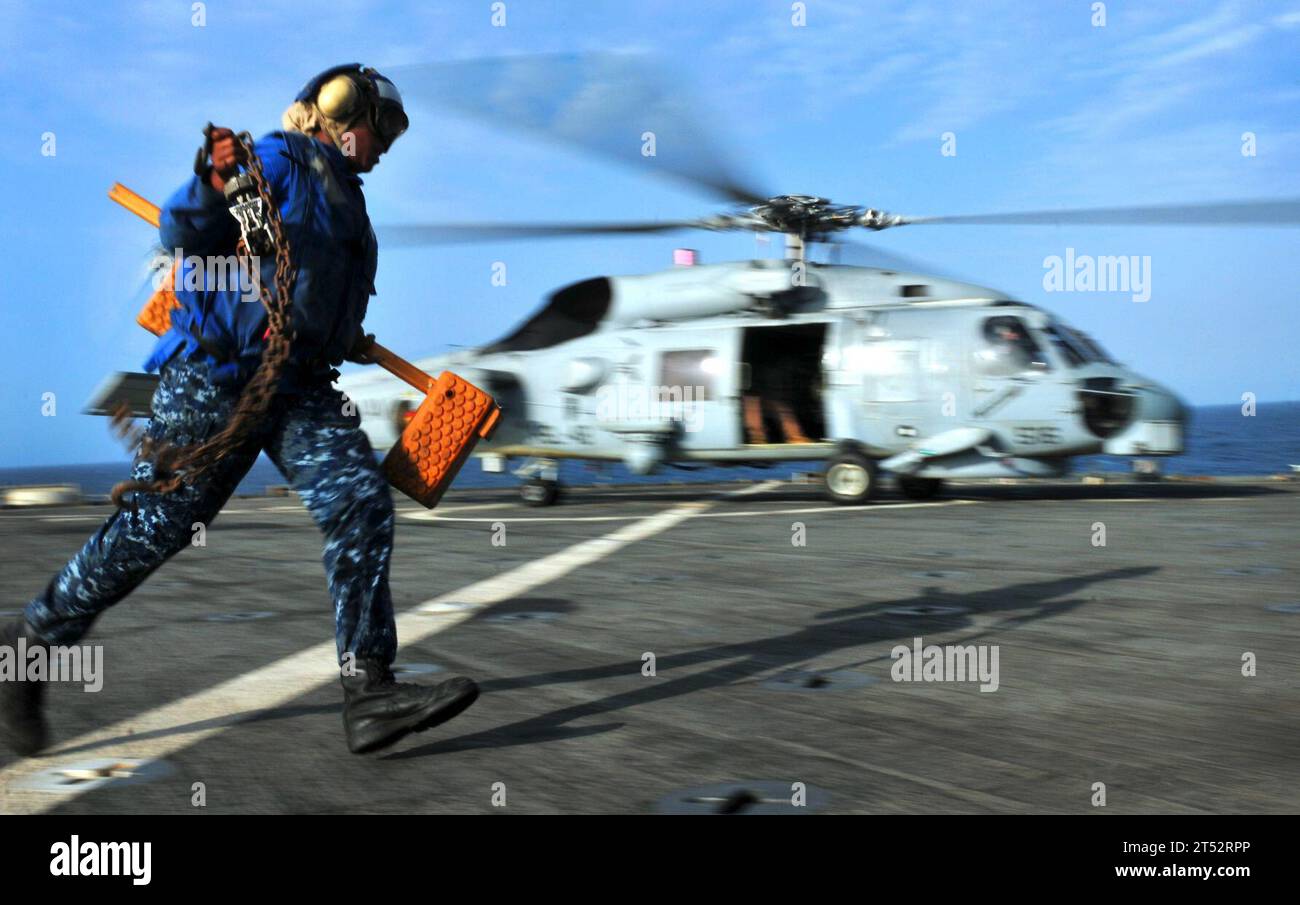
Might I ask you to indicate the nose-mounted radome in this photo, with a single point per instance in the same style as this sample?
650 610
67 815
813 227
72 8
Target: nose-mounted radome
1133 417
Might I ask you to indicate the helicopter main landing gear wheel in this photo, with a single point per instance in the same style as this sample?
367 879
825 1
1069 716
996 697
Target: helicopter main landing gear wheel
919 489
539 492
850 478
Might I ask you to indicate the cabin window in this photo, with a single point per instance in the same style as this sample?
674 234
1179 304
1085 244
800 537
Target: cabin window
689 374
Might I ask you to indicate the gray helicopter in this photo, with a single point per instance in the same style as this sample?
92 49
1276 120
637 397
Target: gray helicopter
866 369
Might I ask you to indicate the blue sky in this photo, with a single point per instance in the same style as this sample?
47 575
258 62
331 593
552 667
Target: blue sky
1048 111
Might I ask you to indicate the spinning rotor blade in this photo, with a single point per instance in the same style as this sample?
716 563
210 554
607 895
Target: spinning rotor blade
610 104
1285 212
450 233
860 254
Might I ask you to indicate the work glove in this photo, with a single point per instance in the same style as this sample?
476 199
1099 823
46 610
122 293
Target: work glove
360 351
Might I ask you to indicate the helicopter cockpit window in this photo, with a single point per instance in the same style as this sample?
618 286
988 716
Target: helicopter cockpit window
1096 352
1066 346
1009 348
689 374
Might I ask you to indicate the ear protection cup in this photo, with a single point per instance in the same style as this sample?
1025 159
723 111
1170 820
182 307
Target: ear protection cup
340 98
347 93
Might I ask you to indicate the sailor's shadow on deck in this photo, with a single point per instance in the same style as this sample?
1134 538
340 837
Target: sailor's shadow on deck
831 631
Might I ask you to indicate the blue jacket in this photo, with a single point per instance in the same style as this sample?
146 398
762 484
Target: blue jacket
333 247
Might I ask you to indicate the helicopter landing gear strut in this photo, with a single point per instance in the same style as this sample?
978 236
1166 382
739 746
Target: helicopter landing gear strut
850 478
541 486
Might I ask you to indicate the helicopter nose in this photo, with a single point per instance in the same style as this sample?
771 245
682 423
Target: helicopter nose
1157 425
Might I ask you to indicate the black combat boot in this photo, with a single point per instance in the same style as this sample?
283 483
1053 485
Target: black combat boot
378 710
22 726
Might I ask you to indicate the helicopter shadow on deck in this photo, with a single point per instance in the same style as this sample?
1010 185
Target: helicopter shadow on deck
831 631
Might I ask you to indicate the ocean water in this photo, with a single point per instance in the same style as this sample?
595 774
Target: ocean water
1221 441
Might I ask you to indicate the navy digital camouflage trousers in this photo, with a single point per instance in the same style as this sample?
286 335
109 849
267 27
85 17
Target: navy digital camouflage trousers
314 439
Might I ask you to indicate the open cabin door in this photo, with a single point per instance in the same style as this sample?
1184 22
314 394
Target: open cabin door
782 390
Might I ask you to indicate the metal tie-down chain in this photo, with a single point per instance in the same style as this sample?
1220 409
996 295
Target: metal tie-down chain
176 466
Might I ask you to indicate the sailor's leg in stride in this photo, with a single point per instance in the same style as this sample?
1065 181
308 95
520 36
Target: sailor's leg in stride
136 540
323 454
129 546
321 451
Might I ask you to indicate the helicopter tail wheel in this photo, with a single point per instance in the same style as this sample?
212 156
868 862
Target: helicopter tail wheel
539 492
919 489
850 478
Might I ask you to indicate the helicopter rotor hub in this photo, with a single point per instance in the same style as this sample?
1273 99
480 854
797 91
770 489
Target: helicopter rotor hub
811 217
